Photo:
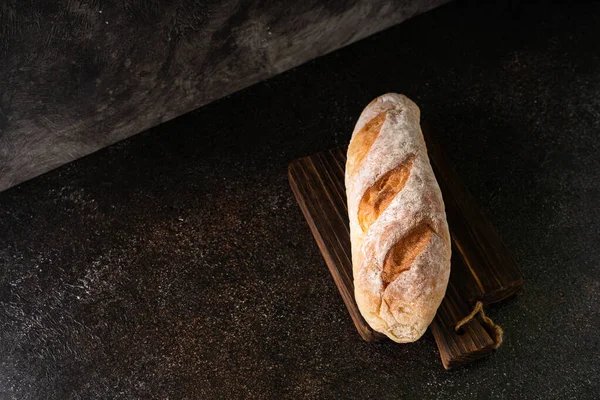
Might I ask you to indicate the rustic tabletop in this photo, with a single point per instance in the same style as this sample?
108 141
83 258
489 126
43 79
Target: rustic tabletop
177 264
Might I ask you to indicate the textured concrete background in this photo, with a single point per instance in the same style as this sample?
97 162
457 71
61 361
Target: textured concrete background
77 75
176 264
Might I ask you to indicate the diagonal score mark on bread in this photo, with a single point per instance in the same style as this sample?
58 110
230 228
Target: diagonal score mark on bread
363 140
379 196
403 253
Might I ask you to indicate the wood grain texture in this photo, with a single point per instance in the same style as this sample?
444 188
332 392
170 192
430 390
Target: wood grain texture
456 349
318 185
491 274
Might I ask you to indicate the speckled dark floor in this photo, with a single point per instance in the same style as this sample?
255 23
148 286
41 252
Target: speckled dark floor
176 264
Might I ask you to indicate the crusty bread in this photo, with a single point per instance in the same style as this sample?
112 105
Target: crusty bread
400 239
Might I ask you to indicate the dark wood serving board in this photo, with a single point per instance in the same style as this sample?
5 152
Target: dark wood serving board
482 269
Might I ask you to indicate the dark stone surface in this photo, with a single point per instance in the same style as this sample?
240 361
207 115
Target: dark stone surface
77 75
176 264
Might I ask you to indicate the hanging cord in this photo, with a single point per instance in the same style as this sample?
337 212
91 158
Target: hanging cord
496 329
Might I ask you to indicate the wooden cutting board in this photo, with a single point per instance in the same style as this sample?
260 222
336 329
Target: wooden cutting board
481 267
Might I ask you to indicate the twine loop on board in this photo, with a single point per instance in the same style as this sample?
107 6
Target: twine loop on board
494 329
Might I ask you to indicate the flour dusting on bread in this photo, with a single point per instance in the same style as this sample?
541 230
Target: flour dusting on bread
400 239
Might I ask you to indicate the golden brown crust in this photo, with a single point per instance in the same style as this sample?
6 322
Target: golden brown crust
379 196
360 145
400 238
403 253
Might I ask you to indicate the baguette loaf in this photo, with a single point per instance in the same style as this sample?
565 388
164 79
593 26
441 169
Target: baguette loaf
400 239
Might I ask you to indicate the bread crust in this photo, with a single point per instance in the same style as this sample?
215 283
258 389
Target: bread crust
400 240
